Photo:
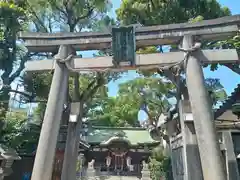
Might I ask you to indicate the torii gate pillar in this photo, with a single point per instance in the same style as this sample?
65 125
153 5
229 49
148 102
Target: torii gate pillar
209 149
43 163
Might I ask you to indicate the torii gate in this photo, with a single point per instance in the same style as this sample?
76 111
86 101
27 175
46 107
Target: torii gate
186 34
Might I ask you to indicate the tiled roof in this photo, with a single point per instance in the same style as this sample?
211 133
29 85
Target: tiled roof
135 136
224 112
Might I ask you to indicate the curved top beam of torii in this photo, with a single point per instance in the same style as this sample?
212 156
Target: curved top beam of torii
153 35
145 36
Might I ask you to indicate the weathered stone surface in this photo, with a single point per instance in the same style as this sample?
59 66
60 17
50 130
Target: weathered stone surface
145 36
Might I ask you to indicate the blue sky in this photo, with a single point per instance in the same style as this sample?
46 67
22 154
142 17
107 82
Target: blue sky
228 78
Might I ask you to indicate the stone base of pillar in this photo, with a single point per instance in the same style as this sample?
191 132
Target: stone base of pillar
5 172
145 172
90 172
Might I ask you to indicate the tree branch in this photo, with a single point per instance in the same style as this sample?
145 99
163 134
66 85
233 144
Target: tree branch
20 68
89 86
20 92
50 24
234 67
150 118
41 23
92 90
61 10
89 13
181 88
37 26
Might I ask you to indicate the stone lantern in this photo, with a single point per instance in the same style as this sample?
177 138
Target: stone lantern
7 157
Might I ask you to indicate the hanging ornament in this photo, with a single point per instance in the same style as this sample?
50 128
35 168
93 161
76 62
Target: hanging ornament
1 83
108 161
129 159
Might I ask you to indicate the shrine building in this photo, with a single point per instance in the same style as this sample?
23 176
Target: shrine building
103 151
108 151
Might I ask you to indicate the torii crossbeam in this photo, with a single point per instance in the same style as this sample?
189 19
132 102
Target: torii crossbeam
143 61
186 33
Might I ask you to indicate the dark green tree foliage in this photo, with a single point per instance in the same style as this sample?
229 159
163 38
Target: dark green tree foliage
14 123
69 16
175 11
160 164
159 96
161 12
46 16
20 132
104 25
232 43
123 109
89 14
149 91
12 55
157 12
66 15
217 93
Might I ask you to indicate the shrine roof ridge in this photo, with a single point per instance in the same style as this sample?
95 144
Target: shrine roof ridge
119 128
135 135
223 21
231 99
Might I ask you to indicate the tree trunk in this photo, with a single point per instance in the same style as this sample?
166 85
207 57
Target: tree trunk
4 104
